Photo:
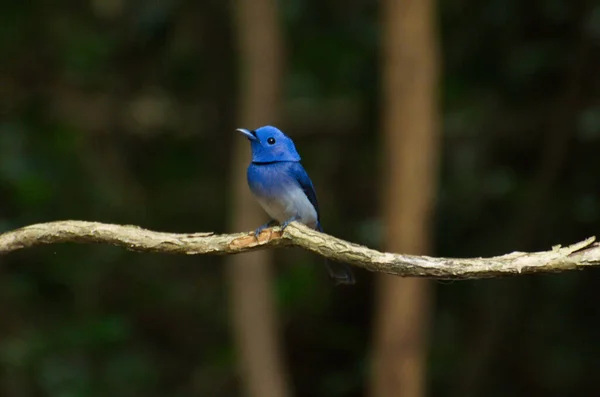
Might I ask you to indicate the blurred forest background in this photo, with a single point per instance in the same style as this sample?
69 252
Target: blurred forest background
452 128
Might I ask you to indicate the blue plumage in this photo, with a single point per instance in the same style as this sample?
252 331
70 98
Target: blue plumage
283 188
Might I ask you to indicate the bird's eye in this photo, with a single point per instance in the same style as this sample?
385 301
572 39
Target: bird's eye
271 141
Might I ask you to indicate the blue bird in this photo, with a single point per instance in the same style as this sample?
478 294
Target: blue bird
283 189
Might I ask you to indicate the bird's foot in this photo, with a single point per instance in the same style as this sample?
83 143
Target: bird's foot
263 227
286 223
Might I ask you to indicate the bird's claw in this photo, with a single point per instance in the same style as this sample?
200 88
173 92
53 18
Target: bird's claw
259 230
286 223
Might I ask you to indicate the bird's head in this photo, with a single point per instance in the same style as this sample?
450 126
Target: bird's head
269 145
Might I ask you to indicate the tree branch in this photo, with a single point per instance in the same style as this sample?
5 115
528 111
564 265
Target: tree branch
558 259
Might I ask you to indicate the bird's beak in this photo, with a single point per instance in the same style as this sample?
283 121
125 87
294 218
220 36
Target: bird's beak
247 133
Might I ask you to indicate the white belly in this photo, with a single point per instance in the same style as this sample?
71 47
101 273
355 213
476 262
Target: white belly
289 204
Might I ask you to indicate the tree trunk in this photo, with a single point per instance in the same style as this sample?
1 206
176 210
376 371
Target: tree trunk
253 308
410 152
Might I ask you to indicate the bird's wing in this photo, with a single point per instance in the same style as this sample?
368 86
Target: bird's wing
298 172
339 272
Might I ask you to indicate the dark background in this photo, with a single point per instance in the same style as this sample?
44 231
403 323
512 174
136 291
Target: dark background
124 112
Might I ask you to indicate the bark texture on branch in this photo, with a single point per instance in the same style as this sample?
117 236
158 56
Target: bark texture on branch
558 259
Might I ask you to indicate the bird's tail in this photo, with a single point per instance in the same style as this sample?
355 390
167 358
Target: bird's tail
340 273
